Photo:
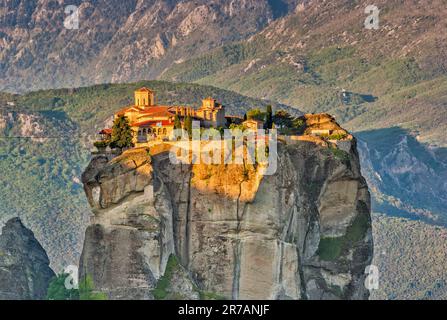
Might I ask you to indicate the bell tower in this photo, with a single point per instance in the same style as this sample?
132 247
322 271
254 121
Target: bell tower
144 98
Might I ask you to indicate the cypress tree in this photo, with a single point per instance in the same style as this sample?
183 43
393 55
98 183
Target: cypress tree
269 117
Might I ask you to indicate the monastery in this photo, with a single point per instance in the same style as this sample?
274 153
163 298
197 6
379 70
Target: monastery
151 121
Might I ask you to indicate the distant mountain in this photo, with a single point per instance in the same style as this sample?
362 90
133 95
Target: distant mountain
118 41
406 178
322 58
411 257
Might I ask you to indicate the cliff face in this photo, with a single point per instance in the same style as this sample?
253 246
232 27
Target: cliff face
303 233
24 265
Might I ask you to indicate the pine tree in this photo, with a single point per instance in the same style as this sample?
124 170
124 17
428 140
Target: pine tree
122 134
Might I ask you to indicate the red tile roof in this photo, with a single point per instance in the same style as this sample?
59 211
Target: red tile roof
127 109
106 131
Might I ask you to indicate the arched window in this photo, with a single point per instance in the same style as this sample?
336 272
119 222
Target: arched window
165 131
149 131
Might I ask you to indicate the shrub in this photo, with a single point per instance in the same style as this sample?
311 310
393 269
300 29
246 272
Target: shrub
101 144
58 291
161 291
338 136
330 249
87 290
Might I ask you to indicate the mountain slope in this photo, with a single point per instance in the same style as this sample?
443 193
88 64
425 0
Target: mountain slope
406 178
117 41
395 75
411 257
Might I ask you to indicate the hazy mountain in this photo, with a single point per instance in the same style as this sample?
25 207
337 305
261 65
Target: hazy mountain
395 75
118 41
411 258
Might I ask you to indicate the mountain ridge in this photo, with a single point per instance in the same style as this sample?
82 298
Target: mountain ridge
117 41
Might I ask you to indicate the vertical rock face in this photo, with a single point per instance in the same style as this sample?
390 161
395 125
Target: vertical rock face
303 233
24 266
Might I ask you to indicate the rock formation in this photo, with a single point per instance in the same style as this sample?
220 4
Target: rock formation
139 38
302 233
24 266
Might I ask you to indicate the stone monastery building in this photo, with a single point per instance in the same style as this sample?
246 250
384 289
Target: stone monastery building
151 121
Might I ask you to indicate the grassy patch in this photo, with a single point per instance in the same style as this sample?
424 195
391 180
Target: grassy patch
210 296
340 154
338 291
330 249
160 292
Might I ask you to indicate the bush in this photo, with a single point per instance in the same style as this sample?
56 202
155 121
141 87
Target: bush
338 136
101 144
161 291
330 249
87 290
58 291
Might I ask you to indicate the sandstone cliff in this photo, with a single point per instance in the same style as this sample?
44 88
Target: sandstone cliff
24 265
303 233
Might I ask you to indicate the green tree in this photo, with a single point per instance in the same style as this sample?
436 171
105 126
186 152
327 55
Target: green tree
87 290
299 125
283 119
256 114
188 125
237 126
122 134
177 123
58 291
269 117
